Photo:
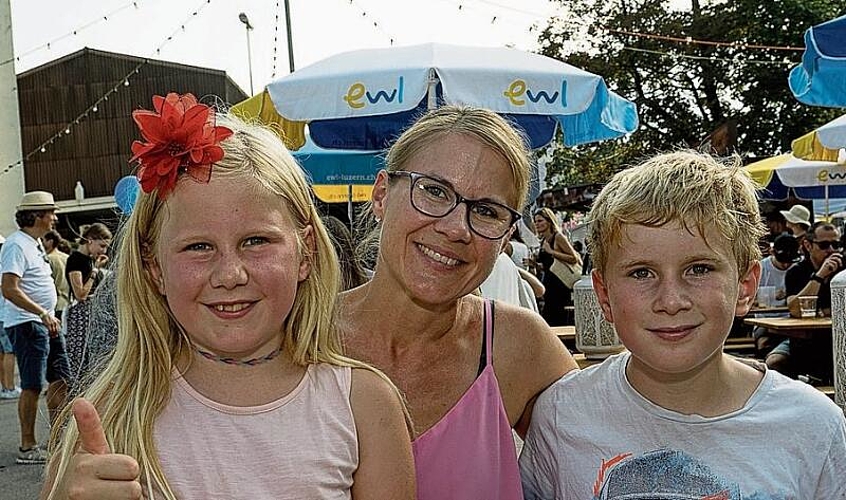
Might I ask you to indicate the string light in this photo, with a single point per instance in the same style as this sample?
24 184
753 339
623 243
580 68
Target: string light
71 33
784 62
688 40
275 40
95 107
376 24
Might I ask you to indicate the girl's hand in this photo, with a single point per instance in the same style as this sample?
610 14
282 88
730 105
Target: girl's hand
547 247
95 472
101 260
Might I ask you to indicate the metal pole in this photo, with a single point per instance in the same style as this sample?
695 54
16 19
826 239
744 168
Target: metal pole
290 43
244 19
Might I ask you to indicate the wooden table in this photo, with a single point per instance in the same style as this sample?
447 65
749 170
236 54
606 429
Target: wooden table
800 328
565 333
769 310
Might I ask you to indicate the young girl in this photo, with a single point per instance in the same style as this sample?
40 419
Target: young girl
84 271
226 381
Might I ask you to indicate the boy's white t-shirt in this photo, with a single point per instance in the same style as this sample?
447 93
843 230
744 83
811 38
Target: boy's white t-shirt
592 436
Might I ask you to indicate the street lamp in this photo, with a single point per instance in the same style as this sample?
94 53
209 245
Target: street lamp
244 19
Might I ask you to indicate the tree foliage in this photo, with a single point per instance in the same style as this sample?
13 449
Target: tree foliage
684 91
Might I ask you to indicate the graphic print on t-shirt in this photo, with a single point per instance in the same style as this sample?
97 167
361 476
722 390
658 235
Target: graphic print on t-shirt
664 475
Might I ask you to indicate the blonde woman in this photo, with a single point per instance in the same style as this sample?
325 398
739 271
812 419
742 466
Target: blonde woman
227 380
554 246
450 197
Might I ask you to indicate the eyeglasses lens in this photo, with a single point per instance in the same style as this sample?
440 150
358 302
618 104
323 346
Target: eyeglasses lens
436 199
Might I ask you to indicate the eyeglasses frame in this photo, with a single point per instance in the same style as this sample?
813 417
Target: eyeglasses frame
415 176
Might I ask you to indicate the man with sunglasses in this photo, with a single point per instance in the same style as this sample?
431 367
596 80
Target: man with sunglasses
810 277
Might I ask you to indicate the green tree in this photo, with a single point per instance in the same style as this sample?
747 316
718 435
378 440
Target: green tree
684 91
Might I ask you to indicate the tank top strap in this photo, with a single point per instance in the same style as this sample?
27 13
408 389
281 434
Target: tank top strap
489 326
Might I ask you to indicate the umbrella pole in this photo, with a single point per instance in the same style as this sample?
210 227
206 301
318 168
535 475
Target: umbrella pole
431 91
350 203
826 202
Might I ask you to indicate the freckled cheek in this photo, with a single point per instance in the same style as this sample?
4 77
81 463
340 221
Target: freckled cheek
185 274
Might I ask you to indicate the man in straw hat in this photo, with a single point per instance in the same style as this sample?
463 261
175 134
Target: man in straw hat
29 318
798 221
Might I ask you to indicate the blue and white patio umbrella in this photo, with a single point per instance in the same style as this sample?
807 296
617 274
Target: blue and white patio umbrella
364 99
821 78
810 180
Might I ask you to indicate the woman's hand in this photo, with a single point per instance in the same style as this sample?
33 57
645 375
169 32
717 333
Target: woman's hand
546 247
101 260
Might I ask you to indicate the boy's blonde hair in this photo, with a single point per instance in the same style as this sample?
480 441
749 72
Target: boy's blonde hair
135 385
691 188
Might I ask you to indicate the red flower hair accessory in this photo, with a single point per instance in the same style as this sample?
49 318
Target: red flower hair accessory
181 137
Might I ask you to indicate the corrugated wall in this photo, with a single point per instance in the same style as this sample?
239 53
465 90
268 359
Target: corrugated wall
97 149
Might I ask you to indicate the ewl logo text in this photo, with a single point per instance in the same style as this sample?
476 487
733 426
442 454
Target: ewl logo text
358 96
824 176
518 92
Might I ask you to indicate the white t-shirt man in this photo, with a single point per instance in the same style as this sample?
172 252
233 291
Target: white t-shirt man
23 256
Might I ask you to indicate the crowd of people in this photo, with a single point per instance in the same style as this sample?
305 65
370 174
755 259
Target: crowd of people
255 357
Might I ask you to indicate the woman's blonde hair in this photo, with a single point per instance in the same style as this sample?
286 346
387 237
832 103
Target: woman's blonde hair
135 386
484 125
687 187
549 216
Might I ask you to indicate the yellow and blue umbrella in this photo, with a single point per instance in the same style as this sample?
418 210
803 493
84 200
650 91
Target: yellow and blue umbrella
821 78
810 180
824 143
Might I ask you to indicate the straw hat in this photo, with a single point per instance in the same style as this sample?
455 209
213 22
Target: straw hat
797 215
37 200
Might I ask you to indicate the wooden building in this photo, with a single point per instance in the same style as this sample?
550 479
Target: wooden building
96 150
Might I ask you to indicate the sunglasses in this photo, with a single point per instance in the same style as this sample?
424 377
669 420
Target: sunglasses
825 245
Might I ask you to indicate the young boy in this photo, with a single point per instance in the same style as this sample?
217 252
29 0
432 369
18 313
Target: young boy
674 243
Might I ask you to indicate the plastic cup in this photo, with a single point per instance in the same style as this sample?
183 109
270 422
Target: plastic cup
808 305
766 296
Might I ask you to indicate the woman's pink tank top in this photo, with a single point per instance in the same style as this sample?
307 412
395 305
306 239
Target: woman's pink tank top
469 454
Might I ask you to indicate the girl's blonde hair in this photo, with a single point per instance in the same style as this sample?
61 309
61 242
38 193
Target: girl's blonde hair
135 386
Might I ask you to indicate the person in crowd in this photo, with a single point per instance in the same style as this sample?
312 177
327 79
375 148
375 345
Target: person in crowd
58 262
517 249
810 278
784 253
511 284
352 273
451 193
7 354
29 318
554 245
798 220
228 380
84 271
675 251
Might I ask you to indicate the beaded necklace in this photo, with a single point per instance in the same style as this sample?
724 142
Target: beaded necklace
239 362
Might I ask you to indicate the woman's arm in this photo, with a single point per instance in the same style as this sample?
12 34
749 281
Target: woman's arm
386 466
80 289
564 250
537 287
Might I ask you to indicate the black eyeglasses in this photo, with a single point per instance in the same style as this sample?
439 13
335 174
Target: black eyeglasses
437 198
826 244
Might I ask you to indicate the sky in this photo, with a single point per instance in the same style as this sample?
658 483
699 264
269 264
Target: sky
216 38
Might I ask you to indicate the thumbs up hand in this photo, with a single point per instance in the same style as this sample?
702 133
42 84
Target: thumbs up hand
94 472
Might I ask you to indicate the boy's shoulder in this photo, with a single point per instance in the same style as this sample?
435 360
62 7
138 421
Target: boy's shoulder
581 386
810 401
